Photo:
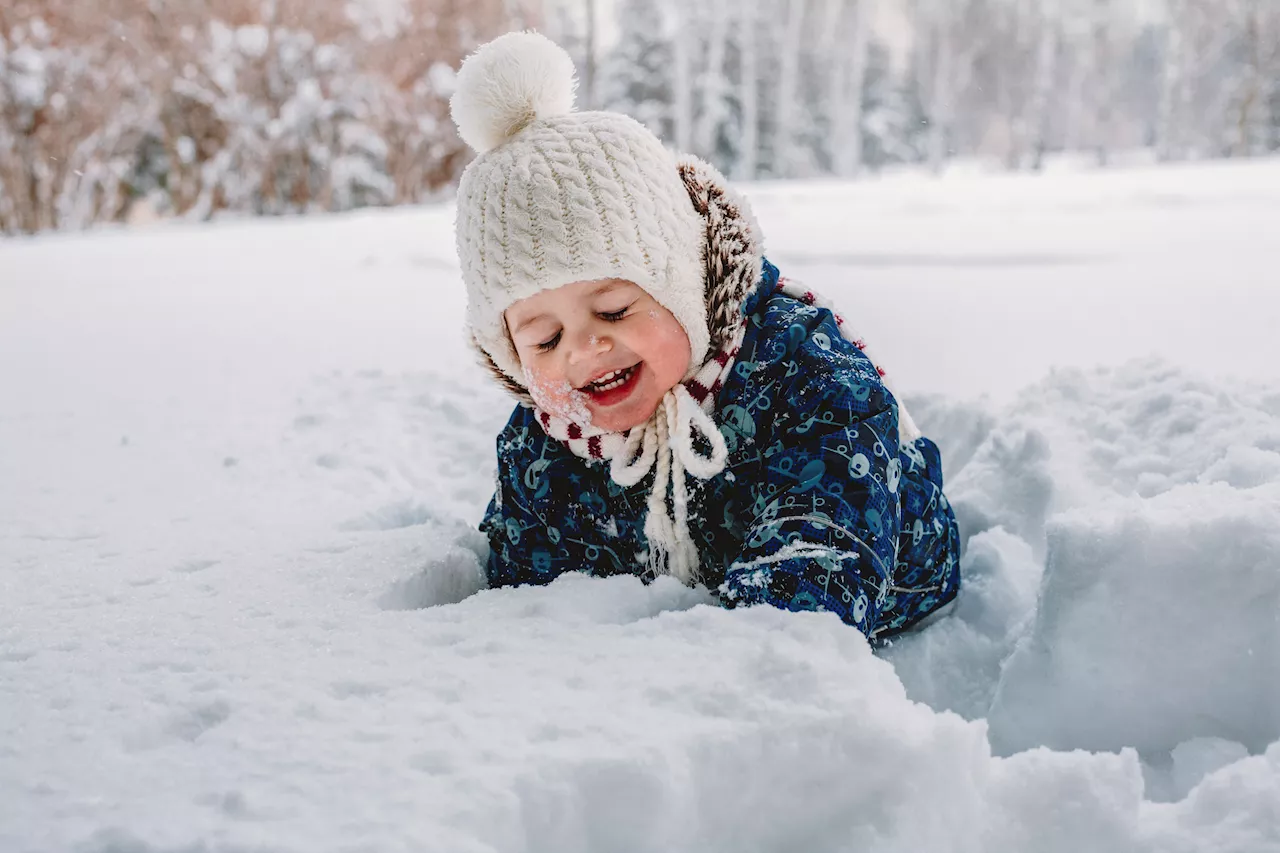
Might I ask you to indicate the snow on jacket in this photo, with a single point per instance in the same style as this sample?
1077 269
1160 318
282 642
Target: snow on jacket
820 507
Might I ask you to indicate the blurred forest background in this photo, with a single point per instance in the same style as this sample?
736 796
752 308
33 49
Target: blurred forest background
129 110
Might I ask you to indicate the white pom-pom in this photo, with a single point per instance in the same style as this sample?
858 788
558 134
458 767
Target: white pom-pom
508 83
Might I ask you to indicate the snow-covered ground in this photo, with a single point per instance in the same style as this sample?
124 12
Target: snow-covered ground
240 468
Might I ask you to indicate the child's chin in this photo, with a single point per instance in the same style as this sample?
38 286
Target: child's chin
622 418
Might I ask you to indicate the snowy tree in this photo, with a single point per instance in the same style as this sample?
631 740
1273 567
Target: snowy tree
712 81
1221 67
297 122
844 39
575 27
54 93
1174 88
949 34
1256 84
787 112
1031 128
1102 78
894 127
749 69
116 110
636 75
681 24
109 108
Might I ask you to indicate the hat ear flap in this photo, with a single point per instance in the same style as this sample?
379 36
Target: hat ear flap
734 253
508 384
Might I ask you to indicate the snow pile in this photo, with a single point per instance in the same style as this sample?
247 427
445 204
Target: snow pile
605 716
1159 622
1155 500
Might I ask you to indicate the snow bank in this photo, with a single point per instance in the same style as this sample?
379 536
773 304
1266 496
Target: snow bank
601 715
1154 500
298 702
955 664
1159 622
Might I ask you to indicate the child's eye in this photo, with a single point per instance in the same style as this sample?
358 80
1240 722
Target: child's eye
550 344
614 316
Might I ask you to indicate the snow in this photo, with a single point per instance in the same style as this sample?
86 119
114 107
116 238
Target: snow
558 398
30 80
1151 568
1123 264
240 601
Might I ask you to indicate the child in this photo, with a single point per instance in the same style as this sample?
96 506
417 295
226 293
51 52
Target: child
684 409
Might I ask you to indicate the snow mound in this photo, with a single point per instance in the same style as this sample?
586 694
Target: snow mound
596 716
1147 426
1159 622
955 664
1193 760
1153 498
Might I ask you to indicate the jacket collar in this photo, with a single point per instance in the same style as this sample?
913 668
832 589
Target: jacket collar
767 286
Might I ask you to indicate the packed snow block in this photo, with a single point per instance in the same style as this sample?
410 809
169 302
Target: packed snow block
445 578
1192 761
1008 483
1159 622
1244 467
958 427
955 664
1234 808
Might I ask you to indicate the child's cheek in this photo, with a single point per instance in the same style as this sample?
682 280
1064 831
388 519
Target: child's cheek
557 397
666 345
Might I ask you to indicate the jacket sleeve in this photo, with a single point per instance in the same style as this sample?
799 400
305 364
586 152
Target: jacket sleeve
525 545
824 514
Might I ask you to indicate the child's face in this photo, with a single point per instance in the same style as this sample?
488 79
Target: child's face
598 352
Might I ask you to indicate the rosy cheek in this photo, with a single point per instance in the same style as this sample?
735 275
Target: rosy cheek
670 344
556 397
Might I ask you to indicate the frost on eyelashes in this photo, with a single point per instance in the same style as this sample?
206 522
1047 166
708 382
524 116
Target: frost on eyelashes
558 398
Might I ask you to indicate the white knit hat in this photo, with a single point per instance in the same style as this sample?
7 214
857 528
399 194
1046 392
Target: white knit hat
557 196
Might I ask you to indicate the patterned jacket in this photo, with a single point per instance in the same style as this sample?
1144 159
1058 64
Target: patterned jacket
820 507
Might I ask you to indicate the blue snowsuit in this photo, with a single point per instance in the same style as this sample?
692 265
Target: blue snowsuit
818 507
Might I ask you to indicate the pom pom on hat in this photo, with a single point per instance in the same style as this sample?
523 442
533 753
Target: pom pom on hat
509 83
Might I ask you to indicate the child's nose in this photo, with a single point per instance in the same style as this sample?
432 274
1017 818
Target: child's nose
589 343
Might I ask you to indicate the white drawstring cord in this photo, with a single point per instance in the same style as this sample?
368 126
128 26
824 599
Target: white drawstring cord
666 441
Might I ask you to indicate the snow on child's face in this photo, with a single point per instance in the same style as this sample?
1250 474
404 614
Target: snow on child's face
598 352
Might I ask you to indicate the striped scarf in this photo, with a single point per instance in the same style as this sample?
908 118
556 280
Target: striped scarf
664 444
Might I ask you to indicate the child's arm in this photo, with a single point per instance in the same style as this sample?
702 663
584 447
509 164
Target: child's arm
825 514
519 552
540 523
525 547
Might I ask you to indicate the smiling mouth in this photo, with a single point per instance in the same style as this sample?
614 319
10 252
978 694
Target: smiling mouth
610 381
